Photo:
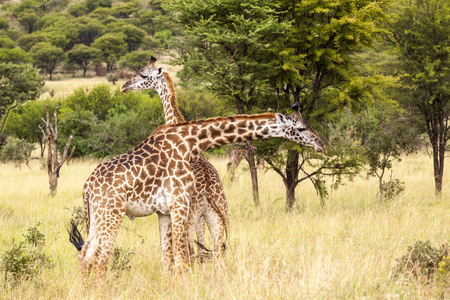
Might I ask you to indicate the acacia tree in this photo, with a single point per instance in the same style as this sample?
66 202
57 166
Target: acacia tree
19 83
421 34
314 65
83 56
47 57
223 45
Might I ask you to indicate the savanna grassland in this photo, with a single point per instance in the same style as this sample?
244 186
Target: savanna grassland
347 249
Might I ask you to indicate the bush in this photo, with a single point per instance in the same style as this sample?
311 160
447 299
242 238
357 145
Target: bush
391 189
121 259
16 150
25 260
421 261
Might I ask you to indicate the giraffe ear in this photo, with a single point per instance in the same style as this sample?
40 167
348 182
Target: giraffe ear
280 118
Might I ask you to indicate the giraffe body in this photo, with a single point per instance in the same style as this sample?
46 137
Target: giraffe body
156 176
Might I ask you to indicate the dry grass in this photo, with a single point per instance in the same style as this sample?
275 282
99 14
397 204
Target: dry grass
344 250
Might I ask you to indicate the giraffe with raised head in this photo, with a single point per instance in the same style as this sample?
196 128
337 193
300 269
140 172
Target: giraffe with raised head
208 199
156 177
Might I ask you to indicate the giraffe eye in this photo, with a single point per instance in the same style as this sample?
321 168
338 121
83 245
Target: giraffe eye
301 129
143 76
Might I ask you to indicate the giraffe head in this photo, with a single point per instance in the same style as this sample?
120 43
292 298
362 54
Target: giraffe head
299 130
147 78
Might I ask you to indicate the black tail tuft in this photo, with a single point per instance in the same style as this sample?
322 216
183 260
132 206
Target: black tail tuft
202 247
74 235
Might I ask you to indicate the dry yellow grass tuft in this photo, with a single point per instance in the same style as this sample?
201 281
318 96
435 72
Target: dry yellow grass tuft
347 249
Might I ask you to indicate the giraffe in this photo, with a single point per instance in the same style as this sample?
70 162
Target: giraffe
208 199
156 177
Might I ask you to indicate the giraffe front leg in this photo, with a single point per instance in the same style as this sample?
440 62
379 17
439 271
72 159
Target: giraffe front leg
179 214
165 235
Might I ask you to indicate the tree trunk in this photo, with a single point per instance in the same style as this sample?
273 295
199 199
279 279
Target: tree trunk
253 173
290 182
53 183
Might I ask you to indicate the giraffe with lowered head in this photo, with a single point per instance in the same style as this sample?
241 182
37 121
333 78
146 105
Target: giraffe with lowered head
208 200
156 177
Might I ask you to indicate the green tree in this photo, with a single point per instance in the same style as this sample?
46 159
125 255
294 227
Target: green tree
88 30
20 83
83 56
29 21
4 24
47 57
94 4
112 47
421 34
24 122
223 46
313 64
14 55
78 10
132 35
135 60
27 41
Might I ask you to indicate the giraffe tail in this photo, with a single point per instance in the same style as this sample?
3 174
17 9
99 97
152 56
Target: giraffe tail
201 246
74 235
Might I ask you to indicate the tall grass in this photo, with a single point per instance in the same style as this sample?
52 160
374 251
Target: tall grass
347 249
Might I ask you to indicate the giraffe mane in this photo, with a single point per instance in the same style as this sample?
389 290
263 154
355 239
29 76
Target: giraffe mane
230 118
173 98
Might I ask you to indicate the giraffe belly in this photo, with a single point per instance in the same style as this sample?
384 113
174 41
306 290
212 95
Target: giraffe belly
146 207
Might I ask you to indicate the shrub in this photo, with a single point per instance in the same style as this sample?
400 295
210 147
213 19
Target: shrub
25 260
421 262
121 259
391 189
17 151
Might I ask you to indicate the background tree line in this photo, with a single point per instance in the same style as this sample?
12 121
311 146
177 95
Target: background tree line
371 76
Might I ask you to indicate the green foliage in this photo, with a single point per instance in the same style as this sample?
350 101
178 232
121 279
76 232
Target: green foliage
25 260
29 21
93 4
34 236
391 189
78 9
421 261
112 47
164 36
83 56
125 10
88 30
47 57
123 131
16 150
14 56
7 43
106 122
19 84
135 60
421 34
4 24
112 77
121 259
27 41
77 123
132 35
24 122
198 103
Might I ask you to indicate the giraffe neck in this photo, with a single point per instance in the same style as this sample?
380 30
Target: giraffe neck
167 93
203 135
